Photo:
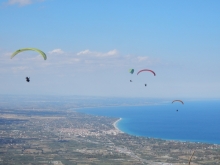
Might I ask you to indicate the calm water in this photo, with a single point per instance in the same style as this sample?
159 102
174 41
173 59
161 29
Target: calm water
197 121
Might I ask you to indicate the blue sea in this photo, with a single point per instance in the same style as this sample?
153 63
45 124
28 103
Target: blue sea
195 121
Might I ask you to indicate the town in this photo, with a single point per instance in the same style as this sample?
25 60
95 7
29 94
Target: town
69 137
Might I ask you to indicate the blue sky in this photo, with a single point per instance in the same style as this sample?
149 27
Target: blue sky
91 45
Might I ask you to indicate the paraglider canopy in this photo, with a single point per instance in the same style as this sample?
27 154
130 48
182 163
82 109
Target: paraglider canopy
143 70
131 71
178 101
147 70
27 49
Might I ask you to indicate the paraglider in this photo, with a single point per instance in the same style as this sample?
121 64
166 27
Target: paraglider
178 101
131 71
28 79
28 49
148 70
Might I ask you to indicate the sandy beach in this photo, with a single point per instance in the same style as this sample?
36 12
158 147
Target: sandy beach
115 125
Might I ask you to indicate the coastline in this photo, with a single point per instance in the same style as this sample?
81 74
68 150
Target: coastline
109 106
115 125
176 139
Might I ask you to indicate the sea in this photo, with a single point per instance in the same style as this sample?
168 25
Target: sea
195 121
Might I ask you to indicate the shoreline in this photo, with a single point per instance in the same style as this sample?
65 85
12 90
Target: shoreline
171 140
115 125
115 122
109 106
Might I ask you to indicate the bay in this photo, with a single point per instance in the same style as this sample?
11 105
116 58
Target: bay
195 121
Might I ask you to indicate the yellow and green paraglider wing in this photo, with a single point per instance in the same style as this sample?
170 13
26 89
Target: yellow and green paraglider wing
27 49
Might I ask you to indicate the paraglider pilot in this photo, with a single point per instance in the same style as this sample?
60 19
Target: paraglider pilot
27 79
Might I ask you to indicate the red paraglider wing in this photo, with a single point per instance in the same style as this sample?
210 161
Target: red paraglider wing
147 70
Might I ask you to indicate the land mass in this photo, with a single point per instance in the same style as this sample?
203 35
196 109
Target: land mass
69 137
44 130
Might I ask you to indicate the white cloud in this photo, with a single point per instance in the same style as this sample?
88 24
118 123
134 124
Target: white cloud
84 52
112 52
88 58
20 2
142 58
108 54
98 54
56 51
81 60
112 58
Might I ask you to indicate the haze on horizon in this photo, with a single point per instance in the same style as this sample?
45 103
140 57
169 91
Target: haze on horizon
91 45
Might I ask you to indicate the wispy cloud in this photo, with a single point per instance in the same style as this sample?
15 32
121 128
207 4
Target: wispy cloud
7 54
56 51
66 61
22 2
142 58
19 2
20 68
112 52
98 54
96 59
84 52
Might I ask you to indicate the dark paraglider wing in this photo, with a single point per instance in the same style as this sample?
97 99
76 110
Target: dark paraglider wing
178 101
